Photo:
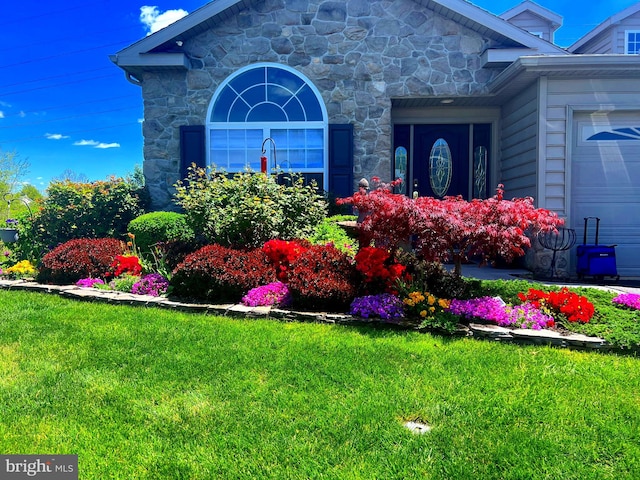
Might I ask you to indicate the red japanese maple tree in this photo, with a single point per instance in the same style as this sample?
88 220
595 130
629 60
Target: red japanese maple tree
453 228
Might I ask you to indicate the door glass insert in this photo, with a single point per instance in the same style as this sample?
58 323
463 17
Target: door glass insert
401 168
480 172
440 167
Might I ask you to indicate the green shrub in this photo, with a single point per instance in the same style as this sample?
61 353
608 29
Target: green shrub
159 227
82 210
124 283
328 231
248 209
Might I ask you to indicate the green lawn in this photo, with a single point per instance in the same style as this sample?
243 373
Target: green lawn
148 393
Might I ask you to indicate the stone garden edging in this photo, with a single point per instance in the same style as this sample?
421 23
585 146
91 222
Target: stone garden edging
481 331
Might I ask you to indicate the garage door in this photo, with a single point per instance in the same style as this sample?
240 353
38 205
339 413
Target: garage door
605 183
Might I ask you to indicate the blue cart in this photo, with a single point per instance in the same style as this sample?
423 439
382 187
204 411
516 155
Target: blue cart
595 260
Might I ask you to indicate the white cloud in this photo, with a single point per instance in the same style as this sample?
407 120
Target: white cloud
95 144
22 114
1 114
108 145
55 136
153 20
84 143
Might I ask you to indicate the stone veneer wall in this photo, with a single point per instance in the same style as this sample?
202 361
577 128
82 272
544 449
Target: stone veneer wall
359 54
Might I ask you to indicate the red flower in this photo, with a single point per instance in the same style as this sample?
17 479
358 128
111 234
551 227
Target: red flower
376 266
282 253
574 307
126 264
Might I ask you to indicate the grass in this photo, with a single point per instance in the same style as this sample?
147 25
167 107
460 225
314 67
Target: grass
147 393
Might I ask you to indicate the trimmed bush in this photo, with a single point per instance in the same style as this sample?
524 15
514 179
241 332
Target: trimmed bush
221 274
173 254
79 258
73 210
322 278
160 227
249 209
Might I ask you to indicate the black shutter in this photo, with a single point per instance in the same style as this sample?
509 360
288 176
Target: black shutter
192 147
341 160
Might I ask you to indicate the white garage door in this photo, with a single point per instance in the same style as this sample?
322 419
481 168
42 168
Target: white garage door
605 183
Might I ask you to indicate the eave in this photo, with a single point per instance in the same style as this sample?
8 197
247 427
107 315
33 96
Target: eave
137 57
608 23
525 70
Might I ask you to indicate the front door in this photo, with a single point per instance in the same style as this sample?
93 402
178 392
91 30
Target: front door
444 160
441 160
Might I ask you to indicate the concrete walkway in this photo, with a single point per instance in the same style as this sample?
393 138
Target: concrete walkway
490 273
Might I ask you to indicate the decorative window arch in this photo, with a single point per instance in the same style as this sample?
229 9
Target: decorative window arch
267 100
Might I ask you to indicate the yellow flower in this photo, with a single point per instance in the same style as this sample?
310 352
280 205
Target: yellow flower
23 267
432 309
417 297
423 313
444 303
431 300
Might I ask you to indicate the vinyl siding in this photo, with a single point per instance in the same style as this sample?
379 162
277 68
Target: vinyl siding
629 23
612 39
600 44
533 24
581 95
518 143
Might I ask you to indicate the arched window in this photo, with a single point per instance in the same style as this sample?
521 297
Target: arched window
268 101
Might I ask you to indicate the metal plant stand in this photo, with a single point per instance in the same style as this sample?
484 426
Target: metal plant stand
561 241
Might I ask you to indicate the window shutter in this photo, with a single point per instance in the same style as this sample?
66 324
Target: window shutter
341 160
192 147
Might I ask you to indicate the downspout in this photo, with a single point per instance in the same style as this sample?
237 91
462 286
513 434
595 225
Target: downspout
131 79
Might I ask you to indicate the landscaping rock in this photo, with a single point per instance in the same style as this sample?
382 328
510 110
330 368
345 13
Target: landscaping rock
583 341
538 336
486 331
490 331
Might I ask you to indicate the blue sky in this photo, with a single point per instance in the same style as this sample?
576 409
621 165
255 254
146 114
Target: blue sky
65 106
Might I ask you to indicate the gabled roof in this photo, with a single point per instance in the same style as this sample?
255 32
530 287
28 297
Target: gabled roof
608 23
158 49
528 6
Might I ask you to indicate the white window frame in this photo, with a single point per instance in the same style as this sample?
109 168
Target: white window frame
268 127
626 42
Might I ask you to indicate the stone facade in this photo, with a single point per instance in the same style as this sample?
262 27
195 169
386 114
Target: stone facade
359 54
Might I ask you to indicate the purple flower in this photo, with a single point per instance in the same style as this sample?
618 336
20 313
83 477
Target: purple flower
89 282
527 316
11 222
630 300
486 308
493 309
152 284
276 293
385 306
